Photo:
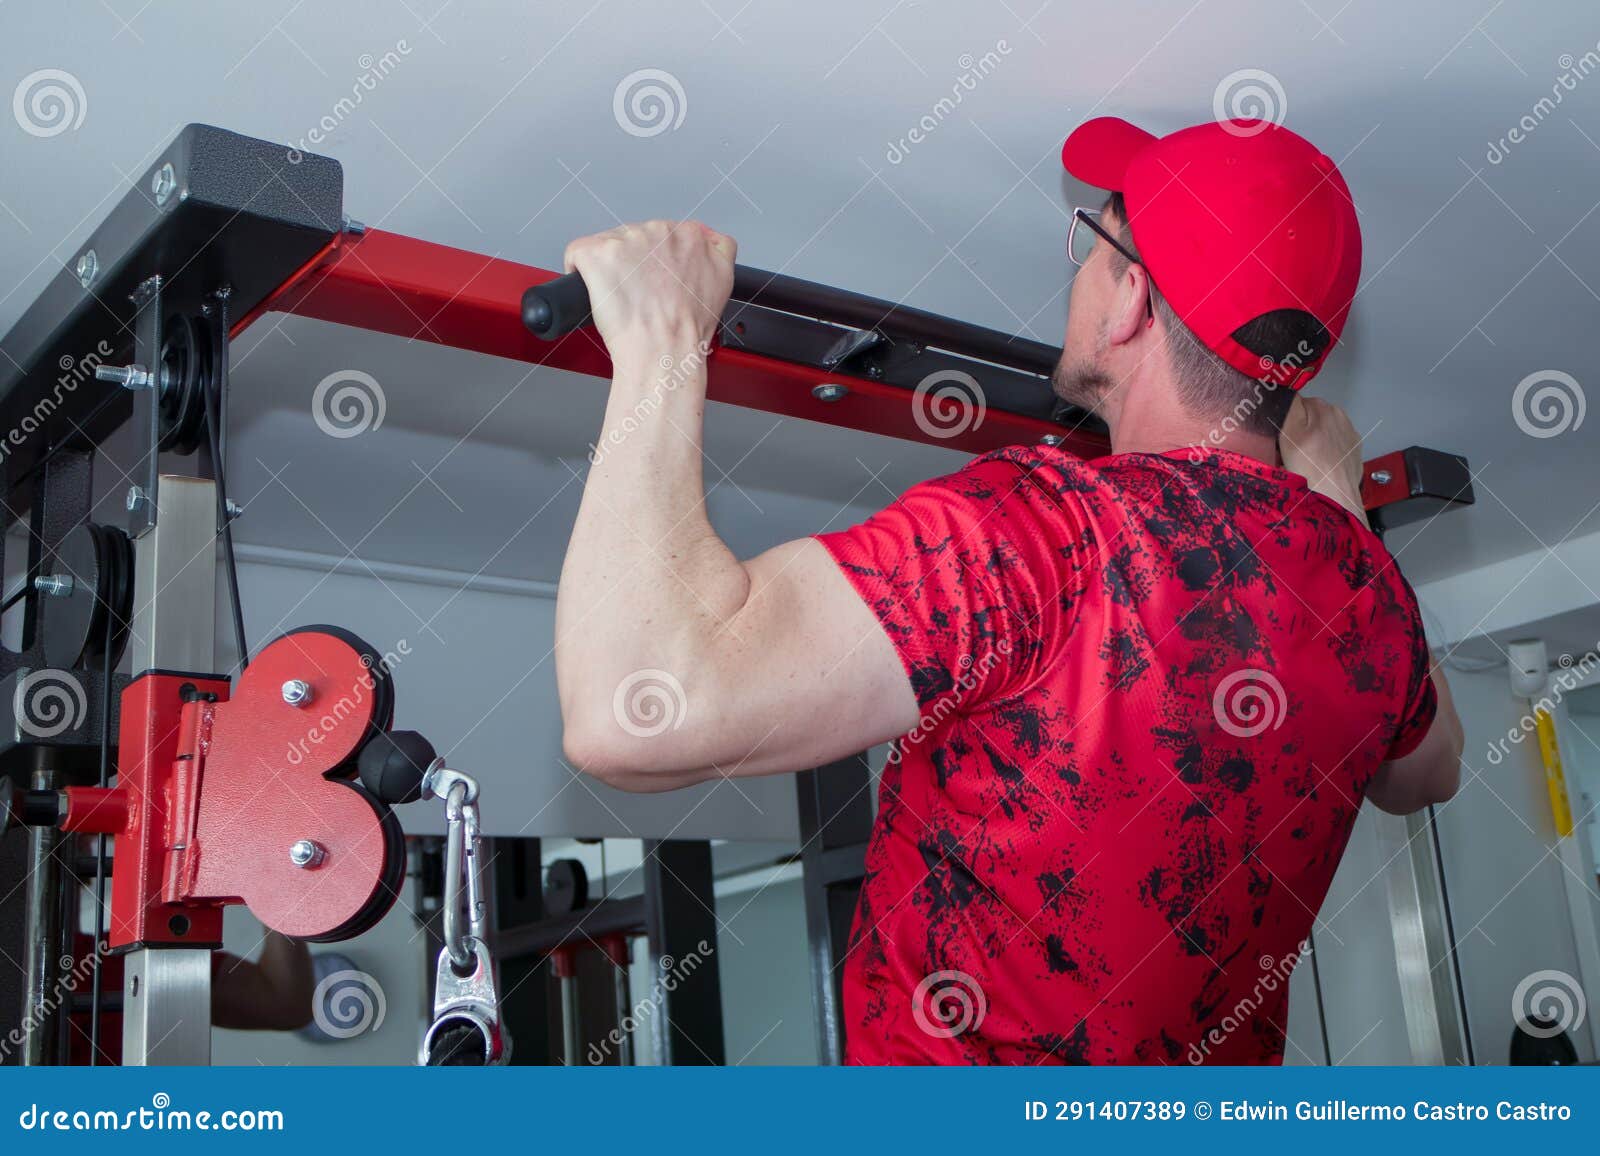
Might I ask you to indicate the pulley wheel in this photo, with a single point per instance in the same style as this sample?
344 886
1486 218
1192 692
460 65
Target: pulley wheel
566 887
72 626
394 873
382 685
186 373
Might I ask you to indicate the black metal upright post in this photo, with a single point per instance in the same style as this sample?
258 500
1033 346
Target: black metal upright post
61 491
524 978
681 923
835 804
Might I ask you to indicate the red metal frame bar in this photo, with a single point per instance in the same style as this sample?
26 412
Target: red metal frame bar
423 291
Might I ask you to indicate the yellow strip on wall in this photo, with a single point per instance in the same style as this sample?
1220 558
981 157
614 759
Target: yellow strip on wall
1554 780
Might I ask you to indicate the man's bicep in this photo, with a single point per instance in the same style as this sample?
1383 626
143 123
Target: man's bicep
809 672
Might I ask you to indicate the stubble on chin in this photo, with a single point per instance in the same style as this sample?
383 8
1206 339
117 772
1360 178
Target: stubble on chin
1080 383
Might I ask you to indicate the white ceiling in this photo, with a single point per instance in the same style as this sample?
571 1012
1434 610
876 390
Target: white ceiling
495 132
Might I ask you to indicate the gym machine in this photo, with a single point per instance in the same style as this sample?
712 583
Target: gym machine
219 231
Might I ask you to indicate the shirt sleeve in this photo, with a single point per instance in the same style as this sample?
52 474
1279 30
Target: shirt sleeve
1422 701
970 576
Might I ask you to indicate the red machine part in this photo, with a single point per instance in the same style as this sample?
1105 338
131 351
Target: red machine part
266 788
1383 481
213 791
416 289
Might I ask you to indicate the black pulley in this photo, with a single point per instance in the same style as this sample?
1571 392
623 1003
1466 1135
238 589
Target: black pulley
186 373
92 572
394 873
566 887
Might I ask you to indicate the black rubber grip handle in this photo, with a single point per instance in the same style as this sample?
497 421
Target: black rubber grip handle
561 305
393 764
557 307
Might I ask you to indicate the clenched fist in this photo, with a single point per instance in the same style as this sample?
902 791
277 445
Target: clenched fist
656 288
1319 442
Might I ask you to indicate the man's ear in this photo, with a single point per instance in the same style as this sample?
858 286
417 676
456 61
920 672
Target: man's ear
1132 305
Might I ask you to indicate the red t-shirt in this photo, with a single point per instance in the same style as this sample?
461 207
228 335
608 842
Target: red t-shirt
1154 688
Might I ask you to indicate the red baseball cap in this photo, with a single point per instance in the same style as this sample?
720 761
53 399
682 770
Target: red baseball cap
1233 219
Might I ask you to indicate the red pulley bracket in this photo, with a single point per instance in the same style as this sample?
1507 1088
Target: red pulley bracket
246 798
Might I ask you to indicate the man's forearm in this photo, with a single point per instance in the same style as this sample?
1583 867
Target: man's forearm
646 582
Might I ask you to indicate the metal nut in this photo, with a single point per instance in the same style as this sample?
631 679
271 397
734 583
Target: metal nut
57 585
163 182
137 499
297 692
127 376
307 853
88 268
829 391
1382 477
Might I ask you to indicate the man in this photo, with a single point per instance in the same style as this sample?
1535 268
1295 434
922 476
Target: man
1142 696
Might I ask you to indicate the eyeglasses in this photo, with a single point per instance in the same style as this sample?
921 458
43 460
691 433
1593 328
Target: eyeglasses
1081 242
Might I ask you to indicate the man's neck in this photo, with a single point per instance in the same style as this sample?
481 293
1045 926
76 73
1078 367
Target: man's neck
1148 422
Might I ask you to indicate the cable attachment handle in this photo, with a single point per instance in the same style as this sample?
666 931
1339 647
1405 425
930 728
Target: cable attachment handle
466 1028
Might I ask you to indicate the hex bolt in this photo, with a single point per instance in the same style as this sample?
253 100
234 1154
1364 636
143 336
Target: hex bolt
297 692
137 499
1382 477
1051 439
127 376
163 182
235 510
88 268
829 392
307 853
56 585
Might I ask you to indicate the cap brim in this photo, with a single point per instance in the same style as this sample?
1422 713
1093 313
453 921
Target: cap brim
1098 151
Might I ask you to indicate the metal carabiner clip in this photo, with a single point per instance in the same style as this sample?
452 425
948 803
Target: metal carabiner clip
466 1029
